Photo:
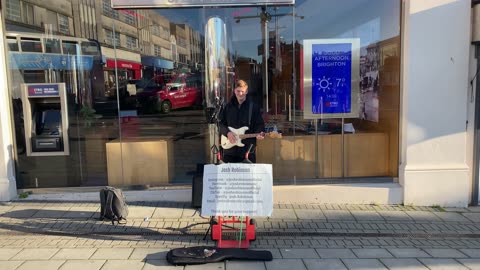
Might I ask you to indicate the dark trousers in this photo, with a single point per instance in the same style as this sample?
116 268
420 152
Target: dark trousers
237 154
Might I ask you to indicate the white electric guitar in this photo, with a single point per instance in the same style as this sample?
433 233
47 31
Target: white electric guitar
240 134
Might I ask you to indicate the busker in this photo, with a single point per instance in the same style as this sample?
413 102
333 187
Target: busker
239 113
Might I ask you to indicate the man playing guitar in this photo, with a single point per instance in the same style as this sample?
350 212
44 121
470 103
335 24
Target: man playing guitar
239 113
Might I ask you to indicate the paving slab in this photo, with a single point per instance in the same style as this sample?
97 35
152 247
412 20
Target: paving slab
408 253
82 265
444 253
140 212
10 265
210 266
442 264
283 214
451 217
81 212
123 265
474 217
112 254
51 212
166 212
28 254
74 254
363 264
473 264
371 253
338 215
403 264
335 253
367 216
299 253
5 208
243 265
149 254
423 216
160 264
276 254
471 252
395 215
309 214
191 213
323 264
7 253
21 212
41 265
285 264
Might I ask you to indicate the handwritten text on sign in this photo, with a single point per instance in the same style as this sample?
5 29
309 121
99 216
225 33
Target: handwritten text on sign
237 189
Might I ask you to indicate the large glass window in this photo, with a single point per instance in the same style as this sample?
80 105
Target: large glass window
147 116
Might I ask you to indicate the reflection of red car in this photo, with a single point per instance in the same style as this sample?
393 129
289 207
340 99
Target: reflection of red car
184 90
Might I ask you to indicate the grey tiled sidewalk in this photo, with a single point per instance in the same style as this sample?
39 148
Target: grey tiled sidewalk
68 235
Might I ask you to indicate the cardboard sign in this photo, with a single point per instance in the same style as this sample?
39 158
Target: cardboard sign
237 189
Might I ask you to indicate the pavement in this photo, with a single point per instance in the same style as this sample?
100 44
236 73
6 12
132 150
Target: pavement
68 235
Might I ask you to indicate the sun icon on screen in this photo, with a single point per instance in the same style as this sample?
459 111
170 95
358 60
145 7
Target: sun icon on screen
324 84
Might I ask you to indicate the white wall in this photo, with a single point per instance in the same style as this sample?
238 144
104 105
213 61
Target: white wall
8 187
435 66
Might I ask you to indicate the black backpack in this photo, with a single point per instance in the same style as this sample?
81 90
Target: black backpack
113 205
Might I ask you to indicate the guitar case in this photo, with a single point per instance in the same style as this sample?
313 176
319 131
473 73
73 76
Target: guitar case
205 254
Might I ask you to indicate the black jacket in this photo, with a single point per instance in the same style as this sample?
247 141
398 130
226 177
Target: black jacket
236 117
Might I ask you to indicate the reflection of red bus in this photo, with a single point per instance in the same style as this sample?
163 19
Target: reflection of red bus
183 90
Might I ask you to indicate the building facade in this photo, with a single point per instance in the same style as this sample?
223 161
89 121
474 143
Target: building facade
401 133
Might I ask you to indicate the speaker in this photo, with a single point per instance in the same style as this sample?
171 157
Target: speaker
197 187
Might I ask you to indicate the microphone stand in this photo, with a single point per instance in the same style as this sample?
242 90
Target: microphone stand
214 118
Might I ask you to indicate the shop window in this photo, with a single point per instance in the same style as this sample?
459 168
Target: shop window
90 48
12 44
70 48
31 45
34 76
52 45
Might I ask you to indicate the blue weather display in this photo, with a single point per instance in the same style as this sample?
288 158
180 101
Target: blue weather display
331 78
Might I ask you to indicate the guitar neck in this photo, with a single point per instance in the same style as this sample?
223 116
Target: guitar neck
246 136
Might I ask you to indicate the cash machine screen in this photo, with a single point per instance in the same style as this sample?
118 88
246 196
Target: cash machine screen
48 123
48 131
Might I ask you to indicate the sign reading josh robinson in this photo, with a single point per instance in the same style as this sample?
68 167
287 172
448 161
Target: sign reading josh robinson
237 189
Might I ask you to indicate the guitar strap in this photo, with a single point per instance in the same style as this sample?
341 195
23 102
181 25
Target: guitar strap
250 108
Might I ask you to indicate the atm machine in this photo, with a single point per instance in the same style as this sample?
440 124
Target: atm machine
45 119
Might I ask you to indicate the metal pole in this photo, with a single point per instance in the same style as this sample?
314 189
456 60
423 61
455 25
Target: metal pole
476 130
316 149
343 148
118 96
265 19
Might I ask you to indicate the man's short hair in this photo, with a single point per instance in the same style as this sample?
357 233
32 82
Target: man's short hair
241 83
